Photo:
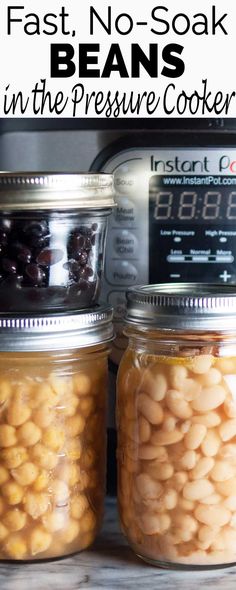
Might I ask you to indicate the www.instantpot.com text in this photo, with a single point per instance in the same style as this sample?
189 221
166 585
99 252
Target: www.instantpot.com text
199 180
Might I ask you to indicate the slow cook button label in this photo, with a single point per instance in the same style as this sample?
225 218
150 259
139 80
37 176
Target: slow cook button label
122 273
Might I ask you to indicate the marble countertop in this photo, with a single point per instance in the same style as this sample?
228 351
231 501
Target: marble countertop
109 564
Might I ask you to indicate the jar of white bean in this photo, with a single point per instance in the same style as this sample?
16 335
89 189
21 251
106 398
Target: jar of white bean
53 386
176 419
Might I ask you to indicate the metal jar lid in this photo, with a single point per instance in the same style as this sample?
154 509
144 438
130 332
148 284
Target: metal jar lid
56 331
182 307
42 190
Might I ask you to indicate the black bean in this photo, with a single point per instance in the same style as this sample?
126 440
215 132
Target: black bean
36 228
86 272
3 238
35 274
23 253
77 242
9 266
49 256
82 258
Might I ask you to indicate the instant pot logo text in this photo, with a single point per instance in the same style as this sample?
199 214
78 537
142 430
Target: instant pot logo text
179 165
226 164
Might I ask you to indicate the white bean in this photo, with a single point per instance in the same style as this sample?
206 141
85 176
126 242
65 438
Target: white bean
197 489
195 436
209 399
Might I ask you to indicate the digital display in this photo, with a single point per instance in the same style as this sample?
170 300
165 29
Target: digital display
178 202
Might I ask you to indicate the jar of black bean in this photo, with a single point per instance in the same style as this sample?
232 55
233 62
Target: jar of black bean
52 239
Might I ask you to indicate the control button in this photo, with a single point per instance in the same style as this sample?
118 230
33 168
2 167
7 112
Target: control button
225 276
125 244
118 301
124 180
122 273
125 212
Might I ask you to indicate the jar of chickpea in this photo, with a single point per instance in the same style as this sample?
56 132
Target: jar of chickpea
176 419
53 385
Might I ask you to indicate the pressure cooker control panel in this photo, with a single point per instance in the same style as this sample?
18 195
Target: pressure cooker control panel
175 220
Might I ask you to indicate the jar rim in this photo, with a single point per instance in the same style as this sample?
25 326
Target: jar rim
182 306
46 190
23 332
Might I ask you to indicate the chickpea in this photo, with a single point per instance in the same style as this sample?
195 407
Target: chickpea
36 504
18 413
73 449
59 491
15 519
70 473
14 457
16 547
44 394
69 406
29 434
7 436
40 540
55 521
5 391
54 438
3 532
71 532
82 384
87 405
42 481
2 506
88 521
75 425
45 458
4 475
26 474
44 416
88 458
12 492
78 505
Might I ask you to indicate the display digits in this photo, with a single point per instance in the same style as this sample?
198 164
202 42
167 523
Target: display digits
163 206
211 206
231 209
187 205
194 206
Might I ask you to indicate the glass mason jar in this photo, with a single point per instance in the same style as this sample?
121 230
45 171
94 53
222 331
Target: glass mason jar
53 389
52 239
176 419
